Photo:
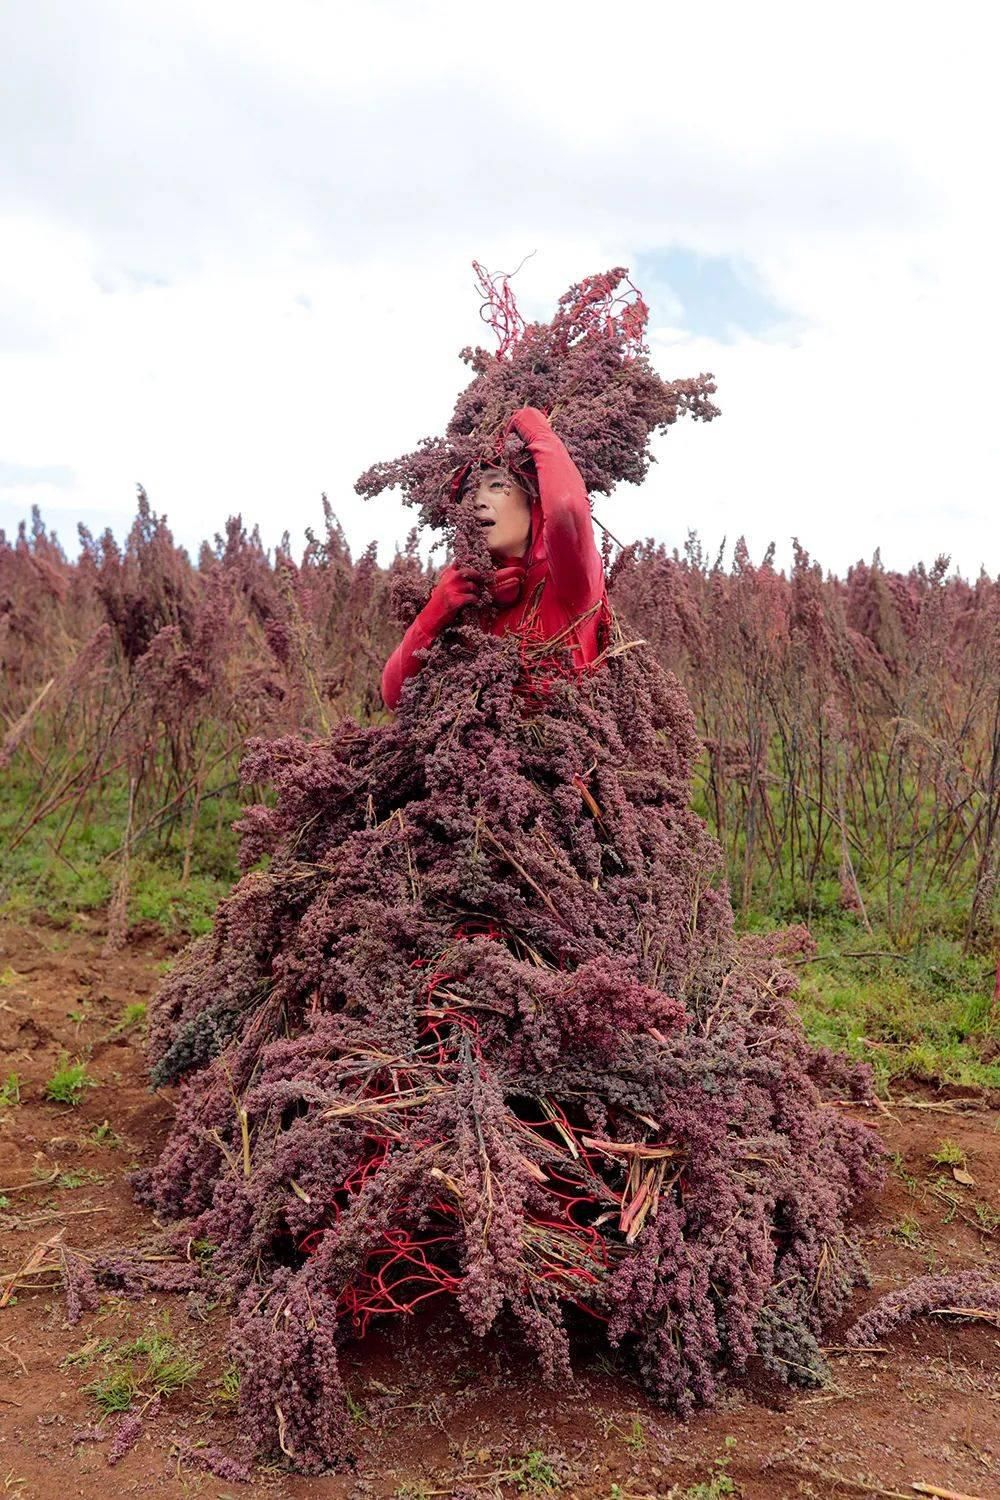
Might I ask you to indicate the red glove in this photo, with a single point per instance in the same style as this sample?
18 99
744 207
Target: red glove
459 586
454 589
529 422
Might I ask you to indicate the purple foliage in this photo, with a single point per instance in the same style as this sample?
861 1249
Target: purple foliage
129 1430
963 1289
79 1284
130 1275
482 1029
127 1272
213 1461
91 1434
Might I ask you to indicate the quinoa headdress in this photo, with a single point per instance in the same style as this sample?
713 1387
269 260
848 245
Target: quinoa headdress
588 369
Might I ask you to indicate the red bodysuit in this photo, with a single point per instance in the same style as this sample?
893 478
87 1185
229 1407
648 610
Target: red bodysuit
563 593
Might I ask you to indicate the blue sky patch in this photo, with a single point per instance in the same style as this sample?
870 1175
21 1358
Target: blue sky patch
712 296
12 475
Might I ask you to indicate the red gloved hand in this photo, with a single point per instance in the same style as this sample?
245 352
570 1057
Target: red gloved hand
529 423
454 589
505 586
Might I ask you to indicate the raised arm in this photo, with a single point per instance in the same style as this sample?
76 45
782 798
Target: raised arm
574 561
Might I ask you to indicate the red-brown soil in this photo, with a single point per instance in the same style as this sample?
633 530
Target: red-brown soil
437 1411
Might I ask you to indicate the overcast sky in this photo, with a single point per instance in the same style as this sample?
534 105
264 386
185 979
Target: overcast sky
235 246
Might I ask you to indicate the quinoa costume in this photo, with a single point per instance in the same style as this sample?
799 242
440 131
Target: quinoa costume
482 1030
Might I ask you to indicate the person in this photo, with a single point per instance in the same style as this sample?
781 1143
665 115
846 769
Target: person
549 582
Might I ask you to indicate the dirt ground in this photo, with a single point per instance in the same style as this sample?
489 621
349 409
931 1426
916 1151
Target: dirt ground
437 1412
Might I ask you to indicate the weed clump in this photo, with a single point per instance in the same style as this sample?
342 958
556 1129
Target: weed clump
133 1015
69 1083
10 1091
132 1384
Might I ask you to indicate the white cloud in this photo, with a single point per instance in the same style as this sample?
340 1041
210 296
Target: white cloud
234 251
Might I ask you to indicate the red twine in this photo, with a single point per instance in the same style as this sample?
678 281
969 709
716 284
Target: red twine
499 308
408 1268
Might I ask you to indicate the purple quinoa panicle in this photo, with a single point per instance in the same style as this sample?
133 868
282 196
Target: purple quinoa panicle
955 1292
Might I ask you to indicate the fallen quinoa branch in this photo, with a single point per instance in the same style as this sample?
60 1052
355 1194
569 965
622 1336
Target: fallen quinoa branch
960 1294
481 1031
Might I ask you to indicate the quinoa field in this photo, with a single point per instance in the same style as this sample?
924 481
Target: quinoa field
848 766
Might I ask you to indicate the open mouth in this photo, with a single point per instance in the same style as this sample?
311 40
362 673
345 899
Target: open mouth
485 524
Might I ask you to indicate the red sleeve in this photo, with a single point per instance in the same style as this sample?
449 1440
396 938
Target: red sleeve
404 662
575 564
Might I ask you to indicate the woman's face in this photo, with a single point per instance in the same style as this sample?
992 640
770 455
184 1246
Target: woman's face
503 509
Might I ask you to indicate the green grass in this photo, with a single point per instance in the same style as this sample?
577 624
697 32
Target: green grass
133 1015
167 1367
84 1357
987 1217
908 1232
79 874
719 1484
69 1083
913 902
226 1391
949 1154
114 1389
534 1474
152 1365
78 1177
635 1438
356 1411
10 1091
924 1015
